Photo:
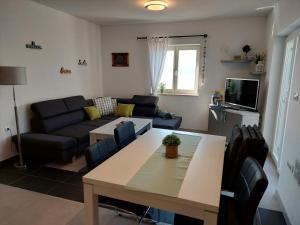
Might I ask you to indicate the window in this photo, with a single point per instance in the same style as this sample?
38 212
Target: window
181 70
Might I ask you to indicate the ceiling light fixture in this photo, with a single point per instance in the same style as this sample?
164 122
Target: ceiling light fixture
156 5
265 8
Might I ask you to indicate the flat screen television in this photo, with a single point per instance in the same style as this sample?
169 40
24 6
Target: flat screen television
242 92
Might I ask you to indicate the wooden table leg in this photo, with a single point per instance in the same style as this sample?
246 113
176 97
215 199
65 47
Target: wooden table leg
211 218
90 205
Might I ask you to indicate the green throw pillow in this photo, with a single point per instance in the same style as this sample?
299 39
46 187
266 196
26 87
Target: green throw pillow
124 110
92 112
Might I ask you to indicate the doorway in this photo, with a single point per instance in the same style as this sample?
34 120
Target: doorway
285 91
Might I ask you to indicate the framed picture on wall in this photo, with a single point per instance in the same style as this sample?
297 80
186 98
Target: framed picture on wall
120 59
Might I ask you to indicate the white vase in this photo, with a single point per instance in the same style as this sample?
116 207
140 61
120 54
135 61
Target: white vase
260 67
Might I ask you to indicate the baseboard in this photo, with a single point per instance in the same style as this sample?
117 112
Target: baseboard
283 210
9 161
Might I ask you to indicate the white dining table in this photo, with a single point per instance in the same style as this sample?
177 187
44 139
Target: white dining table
199 194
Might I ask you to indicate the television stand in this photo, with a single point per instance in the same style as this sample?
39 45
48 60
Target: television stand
223 118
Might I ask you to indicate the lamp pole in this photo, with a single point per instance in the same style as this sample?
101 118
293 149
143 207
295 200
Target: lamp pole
21 163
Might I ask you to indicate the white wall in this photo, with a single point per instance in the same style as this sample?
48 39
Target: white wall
225 39
64 39
288 16
288 188
275 54
284 19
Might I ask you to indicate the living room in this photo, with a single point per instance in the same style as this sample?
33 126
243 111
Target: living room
68 49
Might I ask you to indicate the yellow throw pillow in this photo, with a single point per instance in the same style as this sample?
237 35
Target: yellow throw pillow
131 106
124 110
92 112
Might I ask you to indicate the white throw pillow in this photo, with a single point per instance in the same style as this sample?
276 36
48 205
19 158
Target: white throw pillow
114 104
104 105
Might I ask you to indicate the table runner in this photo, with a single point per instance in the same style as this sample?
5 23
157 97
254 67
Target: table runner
164 176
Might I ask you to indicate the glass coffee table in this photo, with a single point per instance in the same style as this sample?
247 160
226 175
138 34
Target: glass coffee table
107 131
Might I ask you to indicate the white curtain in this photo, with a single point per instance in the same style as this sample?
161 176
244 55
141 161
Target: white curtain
158 47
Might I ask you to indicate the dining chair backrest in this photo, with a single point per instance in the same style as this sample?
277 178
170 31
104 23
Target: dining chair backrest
124 134
249 188
99 152
253 145
260 150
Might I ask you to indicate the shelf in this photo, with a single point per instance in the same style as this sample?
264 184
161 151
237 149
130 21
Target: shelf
254 73
235 61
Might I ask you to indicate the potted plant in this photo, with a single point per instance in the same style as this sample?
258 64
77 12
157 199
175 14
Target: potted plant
171 142
246 49
162 87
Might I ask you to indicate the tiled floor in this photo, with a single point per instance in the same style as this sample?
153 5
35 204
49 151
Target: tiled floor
23 207
68 185
45 180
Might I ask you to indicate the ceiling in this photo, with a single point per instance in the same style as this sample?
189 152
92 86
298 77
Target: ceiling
111 12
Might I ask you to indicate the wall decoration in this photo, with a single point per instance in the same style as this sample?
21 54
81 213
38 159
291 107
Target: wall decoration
65 71
32 45
120 59
82 62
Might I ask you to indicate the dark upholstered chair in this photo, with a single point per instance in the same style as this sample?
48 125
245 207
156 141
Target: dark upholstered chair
124 134
97 154
245 142
249 188
231 153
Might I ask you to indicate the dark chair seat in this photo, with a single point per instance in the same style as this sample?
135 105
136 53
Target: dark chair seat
249 188
171 124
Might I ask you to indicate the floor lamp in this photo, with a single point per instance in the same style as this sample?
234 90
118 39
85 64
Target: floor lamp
14 76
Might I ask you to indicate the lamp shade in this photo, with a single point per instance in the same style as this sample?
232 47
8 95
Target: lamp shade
10 75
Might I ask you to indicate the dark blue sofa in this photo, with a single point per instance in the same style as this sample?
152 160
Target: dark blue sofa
60 127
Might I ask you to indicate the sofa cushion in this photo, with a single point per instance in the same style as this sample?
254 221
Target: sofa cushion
109 117
78 131
42 141
49 108
114 104
75 102
171 124
147 111
104 105
95 123
145 100
124 110
125 100
51 124
92 112
48 147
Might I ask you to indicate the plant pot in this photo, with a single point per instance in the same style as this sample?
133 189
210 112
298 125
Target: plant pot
171 152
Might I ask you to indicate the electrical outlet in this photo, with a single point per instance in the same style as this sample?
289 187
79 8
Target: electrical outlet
7 128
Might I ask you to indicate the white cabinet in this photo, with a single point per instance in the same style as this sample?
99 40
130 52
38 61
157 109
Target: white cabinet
222 120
